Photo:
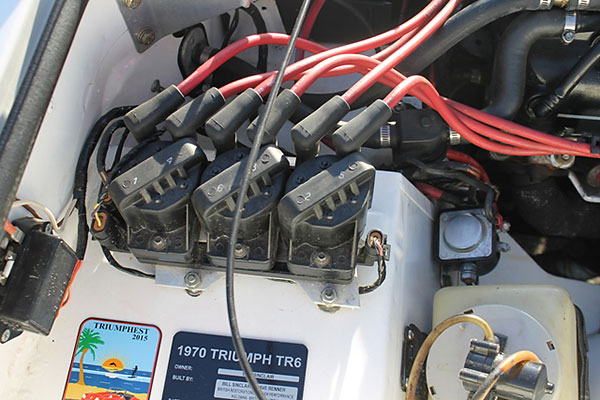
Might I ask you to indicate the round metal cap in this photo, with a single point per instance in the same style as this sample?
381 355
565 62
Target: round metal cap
463 232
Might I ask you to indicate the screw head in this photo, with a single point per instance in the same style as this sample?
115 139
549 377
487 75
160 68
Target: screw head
192 279
126 183
410 335
352 166
329 295
300 199
133 4
5 336
568 36
265 158
146 37
240 250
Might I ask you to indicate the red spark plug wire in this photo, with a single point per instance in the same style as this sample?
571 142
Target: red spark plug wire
394 59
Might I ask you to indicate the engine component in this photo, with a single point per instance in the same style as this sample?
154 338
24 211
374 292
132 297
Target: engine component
467 241
412 134
527 382
538 318
323 214
153 199
510 64
214 202
40 273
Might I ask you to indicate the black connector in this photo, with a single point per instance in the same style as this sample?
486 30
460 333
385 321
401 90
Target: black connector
222 126
351 136
142 120
194 114
284 107
308 132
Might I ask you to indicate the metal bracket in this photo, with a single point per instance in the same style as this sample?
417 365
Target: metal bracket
587 193
568 34
545 5
328 296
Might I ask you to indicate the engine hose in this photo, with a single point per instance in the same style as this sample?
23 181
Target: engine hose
462 24
510 64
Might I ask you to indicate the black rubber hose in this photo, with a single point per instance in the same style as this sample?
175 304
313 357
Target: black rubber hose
546 105
35 91
261 27
459 26
510 64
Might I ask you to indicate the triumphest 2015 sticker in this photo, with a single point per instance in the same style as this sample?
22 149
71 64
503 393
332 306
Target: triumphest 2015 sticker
112 360
203 367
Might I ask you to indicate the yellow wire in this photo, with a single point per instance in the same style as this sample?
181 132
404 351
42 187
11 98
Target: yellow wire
415 371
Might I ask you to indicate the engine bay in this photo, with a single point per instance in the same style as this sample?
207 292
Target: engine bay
304 199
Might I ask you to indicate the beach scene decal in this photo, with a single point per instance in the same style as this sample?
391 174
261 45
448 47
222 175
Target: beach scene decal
112 360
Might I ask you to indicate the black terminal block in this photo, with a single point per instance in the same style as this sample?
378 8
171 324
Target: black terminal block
323 214
185 121
41 271
222 126
153 199
142 120
214 201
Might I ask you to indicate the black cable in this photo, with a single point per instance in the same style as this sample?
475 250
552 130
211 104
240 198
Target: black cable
446 173
104 145
232 27
120 148
237 214
261 27
111 260
81 175
546 105
381 274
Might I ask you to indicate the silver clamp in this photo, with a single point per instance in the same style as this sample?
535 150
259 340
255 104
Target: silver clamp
454 137
385 136
568 34
545 5
583 4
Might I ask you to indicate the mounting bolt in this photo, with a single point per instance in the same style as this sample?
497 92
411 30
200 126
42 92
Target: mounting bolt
133 4
240 250
329 295
5 336
568 37
410 335
468 274
503 247
146 37
192 283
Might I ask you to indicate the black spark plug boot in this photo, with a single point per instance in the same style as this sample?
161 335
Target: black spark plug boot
284 107
222 126
351 136
191 116
142 120
307 133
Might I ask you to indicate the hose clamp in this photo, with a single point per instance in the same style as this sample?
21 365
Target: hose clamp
385 136
570 27
545 5
583 4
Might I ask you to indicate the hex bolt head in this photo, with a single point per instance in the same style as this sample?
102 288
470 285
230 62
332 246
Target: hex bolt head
329 295
192 282
410 335
146 37
133 4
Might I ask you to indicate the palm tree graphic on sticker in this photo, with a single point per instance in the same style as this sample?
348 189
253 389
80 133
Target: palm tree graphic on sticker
88 341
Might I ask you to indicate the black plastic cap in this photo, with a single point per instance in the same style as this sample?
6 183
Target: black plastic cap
222 126
142 120
351 136
284 107
194 114
307 133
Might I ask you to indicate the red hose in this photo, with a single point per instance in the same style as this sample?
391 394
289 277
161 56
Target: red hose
429 29
309 22
207 68
358 47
